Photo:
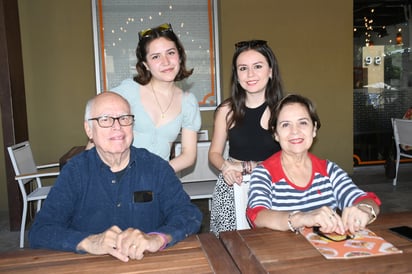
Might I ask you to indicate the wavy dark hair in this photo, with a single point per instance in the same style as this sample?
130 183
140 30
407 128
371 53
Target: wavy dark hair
299 99
143 75
274 87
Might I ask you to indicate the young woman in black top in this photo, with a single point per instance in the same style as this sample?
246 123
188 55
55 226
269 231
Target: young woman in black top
243 120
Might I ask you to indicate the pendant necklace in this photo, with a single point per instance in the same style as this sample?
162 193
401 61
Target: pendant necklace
158 103
288 175
286 171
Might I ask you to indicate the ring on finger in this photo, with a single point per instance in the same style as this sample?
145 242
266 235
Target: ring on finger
133 246
357 222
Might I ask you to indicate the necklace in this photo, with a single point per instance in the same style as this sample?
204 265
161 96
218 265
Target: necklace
158 103
291 178
286 171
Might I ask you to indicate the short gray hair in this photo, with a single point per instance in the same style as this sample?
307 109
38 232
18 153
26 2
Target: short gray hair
88 111
90 105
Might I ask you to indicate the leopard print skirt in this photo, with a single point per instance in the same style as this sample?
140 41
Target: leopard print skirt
222 215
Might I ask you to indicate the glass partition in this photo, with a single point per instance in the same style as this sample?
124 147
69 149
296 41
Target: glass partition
382 76
116 24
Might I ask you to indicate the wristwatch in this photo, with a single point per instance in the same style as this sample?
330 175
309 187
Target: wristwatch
371 212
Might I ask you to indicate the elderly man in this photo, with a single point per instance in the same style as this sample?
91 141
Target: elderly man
114 198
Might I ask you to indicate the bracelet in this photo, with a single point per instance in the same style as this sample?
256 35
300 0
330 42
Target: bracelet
246 167
164 237
243 168
249 167
372 212
291 227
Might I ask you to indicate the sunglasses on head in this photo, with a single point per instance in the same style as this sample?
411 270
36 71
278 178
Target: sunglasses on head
250 44
149 32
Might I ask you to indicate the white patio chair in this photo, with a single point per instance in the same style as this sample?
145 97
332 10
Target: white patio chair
199 180
402 133
26 171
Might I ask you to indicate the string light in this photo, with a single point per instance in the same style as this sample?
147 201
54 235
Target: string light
121 38
369 28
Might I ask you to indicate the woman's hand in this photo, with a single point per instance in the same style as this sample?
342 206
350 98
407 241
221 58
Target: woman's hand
355 219
325 218
232 172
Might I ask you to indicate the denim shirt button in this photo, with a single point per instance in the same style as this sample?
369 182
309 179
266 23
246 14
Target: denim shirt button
119 205
113 181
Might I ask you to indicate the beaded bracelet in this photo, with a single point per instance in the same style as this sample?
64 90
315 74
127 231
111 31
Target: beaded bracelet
243 168
246 167
291 227
164 237
249 167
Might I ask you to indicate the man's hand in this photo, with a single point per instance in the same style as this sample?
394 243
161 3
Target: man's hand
134 243
131 243
104 243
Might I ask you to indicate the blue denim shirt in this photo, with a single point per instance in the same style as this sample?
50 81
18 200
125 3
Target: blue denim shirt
87 199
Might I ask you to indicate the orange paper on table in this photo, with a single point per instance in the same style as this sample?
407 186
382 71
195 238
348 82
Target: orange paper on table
364 244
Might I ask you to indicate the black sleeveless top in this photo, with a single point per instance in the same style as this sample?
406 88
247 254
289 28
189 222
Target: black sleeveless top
248 141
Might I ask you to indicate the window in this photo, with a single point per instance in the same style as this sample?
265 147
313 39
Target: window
116 24
382 76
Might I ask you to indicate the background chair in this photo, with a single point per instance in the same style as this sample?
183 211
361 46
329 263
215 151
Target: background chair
402 133
27 172
199 180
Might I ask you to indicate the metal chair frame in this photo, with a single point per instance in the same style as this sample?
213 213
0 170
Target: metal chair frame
402 133
27 172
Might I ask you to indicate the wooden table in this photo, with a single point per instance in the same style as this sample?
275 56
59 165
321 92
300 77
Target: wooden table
202 253
268 251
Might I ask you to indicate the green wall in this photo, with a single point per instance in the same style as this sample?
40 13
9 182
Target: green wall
313 44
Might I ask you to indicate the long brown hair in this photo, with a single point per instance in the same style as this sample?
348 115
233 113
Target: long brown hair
274 87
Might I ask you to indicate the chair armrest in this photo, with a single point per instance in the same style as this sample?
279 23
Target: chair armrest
48 165
37 175
52 168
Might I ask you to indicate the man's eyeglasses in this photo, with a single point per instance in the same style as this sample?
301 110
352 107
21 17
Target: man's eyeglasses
334 237
250 44
148 32
108 121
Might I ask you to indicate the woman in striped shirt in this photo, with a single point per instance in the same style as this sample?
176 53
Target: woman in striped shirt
294 188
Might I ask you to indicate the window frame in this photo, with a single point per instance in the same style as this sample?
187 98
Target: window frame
208 95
